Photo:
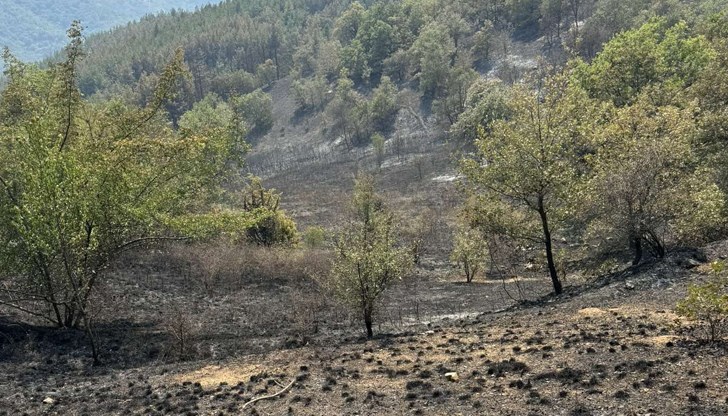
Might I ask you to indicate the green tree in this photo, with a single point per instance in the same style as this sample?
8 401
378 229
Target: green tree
368 256
354 59
209 115
707 304
454 97
469 251
486 102
256 110
347 26
648 183
528 166
310 93
383 105
81 183
433 51
648 56
379 148
349 114
267 73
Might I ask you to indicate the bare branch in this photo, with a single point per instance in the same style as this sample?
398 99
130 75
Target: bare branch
285 389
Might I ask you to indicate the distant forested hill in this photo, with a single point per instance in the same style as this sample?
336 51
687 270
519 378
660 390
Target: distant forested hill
34 29
436 48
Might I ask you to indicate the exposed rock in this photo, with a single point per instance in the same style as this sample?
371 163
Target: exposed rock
452 377
692 263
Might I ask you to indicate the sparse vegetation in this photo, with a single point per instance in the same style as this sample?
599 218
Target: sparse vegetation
368 256
469 252
706 305
530 142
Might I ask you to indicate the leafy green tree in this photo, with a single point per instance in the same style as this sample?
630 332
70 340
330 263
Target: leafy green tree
648 183
383 105
552 17
354 60
711 87
379 148
648 56
81 183
347 26
267 72
255 109
469 251
368 256
707 304
378 40
524 15
528 166
454 97
233 83
485 103
310 93
483 44
348 114
315 237
209 115
433 51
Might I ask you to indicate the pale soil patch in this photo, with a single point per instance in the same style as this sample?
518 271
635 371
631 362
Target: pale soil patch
212 375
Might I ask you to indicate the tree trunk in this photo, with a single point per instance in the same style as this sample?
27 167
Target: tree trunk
558 289
368 323
637 251
91 339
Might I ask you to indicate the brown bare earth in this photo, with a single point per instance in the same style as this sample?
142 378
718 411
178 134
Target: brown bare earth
611 346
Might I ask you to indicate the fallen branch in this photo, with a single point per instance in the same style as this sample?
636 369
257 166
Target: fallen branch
285 389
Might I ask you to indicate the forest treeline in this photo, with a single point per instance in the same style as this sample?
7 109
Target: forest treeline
435 48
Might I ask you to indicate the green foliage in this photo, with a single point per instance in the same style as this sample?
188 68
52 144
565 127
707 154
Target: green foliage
271 225
267 72
650 55
233 83
707 304
83 182
314 237
379 148
485 103
211 115
383 105
454 96
433 52
647 180
528 165
310 93
369 257
469 251
256 110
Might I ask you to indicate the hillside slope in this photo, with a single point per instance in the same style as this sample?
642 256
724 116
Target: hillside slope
605 348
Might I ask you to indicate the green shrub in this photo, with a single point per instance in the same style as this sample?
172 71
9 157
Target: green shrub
314 237
707 306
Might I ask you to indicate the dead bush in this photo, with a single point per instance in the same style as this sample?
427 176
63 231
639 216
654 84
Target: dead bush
219 267
305 314
183 333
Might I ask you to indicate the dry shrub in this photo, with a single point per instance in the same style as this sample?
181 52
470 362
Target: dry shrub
305 314
183 332
220 267
208 265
